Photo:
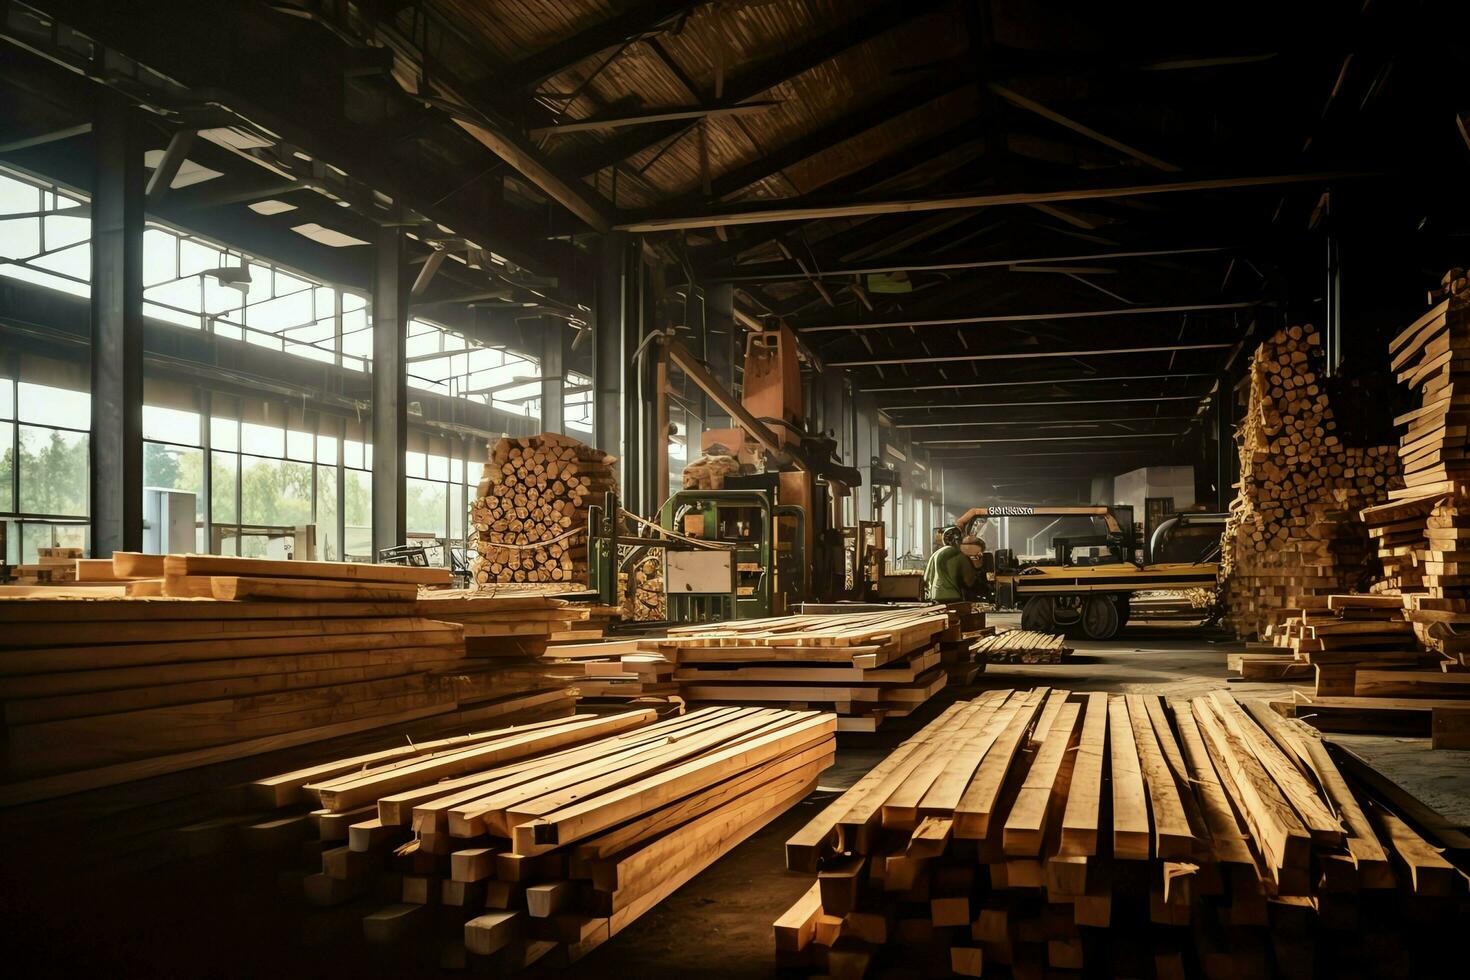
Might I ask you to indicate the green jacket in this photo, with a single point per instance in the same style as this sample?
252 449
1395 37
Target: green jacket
950 575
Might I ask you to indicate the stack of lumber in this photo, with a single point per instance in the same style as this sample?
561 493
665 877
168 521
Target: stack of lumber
1046 833
53 566
1423 533
1353 630
540 843
864 666
1012 646
1293 536
642 590
530 509
615 671
709 472
98 691
959 644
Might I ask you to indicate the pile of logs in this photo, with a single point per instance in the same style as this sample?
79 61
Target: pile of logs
540 843
709 472
1294 536
864 666
530 509
1041 831
642 591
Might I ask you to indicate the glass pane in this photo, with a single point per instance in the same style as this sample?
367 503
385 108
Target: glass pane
54 469
171 425
298 445
224 434
456 511
18 197
274 492
426 507
352 454
160 254
265 440
20 238
37 536
438 467
7 398
326 513
55 406
174 468
326 450
7 468
222 489
357 513
413 464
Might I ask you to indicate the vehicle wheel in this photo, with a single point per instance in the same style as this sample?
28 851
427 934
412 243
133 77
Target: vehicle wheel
1039 615
1100 618
1125 609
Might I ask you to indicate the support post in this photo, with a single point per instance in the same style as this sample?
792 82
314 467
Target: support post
390 391
1224 442
553 375
117 330
610 362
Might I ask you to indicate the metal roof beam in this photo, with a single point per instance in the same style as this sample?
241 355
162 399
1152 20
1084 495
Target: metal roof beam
644 18
946 386
1024 355
1026 317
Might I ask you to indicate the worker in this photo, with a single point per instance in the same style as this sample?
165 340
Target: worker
950 575
974 550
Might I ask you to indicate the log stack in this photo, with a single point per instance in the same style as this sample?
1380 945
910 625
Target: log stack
269 654
530 509
642 589
1294 536
542 842
709 472
864 666
1042 833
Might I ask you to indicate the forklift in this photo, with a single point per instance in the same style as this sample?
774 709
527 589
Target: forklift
1086 584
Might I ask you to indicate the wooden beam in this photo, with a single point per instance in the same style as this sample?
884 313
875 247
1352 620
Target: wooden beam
653 116
961 358
640 19
680 357
1027 317
766 214
1030 105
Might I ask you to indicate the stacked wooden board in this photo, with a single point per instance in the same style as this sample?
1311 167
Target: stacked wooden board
53 566
960 645
1014 646
530 509
1045 833
1423 532
98 691
539 843
1353 630
615 671
1293 536
864 666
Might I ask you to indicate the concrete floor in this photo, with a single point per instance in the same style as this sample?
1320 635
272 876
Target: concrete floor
719 924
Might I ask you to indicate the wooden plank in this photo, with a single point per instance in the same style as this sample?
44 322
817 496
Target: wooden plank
1130 801
978 804
301 590
1026 825
336 570
798 924
1411 684
1450 728
1173 833
1227 840
1082 817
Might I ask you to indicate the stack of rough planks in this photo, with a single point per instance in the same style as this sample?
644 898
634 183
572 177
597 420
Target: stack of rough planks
530 511
959 645
615 671
98 691
1012 646
1423 533
1044 831
865 666
53 566
544 841
1293 536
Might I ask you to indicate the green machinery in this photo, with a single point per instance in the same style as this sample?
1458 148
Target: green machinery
727 554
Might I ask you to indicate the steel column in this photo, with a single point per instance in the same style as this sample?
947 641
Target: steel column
553 375
117 330
611 369
1224 443
390 391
